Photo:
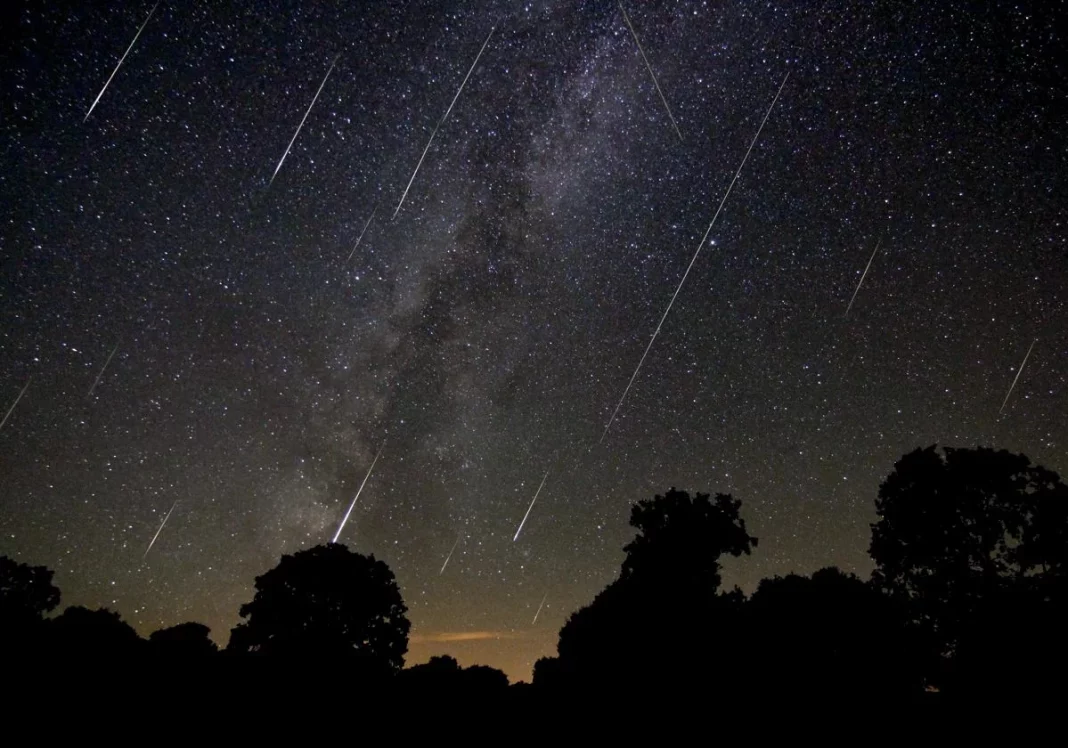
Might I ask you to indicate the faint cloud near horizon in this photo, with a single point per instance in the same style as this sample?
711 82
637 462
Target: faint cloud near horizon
461 636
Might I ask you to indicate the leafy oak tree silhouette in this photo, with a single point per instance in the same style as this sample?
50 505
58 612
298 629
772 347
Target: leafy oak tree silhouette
324 603
974 544
664 617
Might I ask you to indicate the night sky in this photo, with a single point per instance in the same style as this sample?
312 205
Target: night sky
486 333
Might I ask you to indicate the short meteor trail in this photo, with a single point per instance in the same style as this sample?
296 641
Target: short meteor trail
121 60
650 69
12 408
357 496
1018 373
442 120
101 374
536 493
450 555
862 277
301 125
360 237
692 261
160 529
539 609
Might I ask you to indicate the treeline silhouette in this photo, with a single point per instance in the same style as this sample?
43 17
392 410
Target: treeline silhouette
967 606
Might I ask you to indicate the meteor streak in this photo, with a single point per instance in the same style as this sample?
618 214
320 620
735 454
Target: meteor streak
692 261
360 237
650 69
1018 373
450 555
160 529
539 609
101 374
442 120
301 125
121 60
12 408
531 506
862 277
357 496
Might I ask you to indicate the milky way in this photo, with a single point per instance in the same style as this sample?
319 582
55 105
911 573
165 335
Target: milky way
259 341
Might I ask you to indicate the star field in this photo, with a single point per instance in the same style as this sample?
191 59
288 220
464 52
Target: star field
485 334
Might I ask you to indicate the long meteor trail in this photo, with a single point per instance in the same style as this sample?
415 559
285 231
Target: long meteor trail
450 555
161 526
538 613
101 374
121 60
357 496
12 408
650 69
442 120
301 125
536 493
360 237
1018 373
862 277
692 261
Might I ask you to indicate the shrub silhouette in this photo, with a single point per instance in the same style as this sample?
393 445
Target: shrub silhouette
442 676
828 636
81 633
189 639
326 602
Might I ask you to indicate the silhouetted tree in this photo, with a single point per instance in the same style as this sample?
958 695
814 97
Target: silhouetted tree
184 640
442 676
26 595
664 616
98 634
967 539
326 602
26 592
830 636
681 539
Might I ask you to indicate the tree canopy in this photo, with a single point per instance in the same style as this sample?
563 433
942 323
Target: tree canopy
188 639
682 538
973 544
100 633
326 601
664 612
26 592
964 527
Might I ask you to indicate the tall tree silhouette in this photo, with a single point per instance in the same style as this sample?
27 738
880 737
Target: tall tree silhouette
26 595
26 592
966 534
664 615
326 602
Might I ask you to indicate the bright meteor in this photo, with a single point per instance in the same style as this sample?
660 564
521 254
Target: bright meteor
12 408
301 125
692 261
450 555
161 526
650 69
862 277
1018 373
531 506
357 496
442 120
121 60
